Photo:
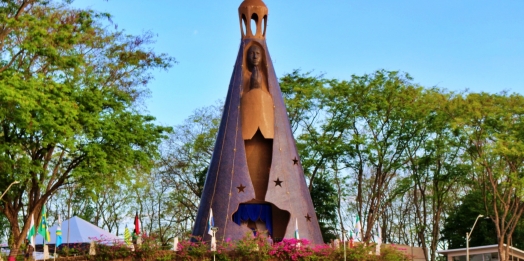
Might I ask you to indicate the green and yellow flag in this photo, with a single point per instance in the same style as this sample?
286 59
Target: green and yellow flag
42 228
127 236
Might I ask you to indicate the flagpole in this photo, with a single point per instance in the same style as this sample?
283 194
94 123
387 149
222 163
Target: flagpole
56 237
70 190
344 242
213 247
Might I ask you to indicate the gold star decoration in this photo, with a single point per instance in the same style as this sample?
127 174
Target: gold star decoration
295 161
241 188
308 218
278 182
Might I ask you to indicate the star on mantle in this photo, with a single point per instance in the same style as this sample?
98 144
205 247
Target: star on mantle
295 161
308 218
278 182
241 188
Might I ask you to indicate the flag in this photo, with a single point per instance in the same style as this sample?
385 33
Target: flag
32 232
210 222
137 224
127 236
42 229
358 228
59 232
296 229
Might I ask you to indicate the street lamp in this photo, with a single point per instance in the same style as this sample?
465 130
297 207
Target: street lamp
468 235
14 182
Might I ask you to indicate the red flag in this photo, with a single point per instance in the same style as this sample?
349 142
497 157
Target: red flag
137 224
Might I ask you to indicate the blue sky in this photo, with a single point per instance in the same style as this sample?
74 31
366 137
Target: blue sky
457 45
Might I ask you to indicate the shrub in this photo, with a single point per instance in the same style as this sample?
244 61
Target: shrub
391 254
291 249
250 248
253 247
195 249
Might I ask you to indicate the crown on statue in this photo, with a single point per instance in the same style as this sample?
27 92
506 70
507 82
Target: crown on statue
253 12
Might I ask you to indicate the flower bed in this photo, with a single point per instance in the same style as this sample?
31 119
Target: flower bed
250 248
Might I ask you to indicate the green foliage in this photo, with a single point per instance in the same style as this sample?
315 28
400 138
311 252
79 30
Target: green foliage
193 250
359 252
492 125
68 89
249 248
391 254
181 172
324 198
72 250
4 228
105 253
461 218
165 257
304 95
253 248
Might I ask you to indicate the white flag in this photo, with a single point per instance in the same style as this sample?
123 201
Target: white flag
210 222
296 229
32 232
358 228
175 244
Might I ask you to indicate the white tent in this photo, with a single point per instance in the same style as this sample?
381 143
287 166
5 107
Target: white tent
81 232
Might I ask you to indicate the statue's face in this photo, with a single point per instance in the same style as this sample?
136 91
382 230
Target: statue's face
254 55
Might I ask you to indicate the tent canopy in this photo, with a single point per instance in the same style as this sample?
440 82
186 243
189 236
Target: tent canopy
81 232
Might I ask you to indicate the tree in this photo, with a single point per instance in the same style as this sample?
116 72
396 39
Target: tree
493 125
182 169
304 95
375 116
325 200
68 88
461 218
434 165
158 209
111 203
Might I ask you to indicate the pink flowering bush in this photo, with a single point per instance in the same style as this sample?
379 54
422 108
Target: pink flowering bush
324 252
291 249
195 249
249 248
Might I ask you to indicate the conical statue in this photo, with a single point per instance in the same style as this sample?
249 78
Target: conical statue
255 182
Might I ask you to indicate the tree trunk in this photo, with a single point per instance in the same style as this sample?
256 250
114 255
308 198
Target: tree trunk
18 239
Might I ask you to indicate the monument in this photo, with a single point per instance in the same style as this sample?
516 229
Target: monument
255 181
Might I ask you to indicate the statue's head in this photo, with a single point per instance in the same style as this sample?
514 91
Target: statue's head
254 55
